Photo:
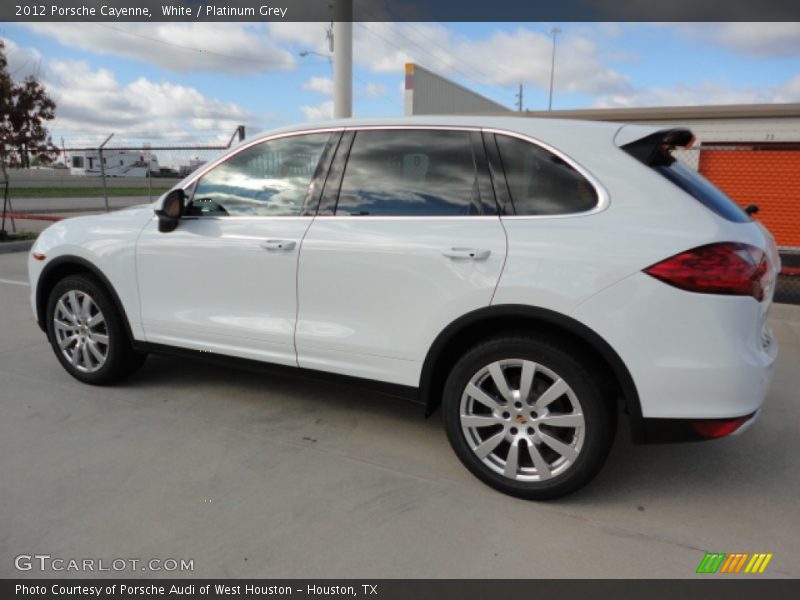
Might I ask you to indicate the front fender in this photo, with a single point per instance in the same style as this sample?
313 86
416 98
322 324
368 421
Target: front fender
103 245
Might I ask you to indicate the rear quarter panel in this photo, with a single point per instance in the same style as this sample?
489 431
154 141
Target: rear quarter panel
557 262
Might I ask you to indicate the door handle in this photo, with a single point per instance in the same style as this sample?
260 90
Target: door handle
278 245
467 253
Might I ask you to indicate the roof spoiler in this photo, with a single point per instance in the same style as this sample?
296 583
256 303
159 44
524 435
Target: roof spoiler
655 149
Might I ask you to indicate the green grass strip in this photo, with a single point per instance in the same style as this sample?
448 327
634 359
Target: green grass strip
77 192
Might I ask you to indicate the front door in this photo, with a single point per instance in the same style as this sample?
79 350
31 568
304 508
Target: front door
225 280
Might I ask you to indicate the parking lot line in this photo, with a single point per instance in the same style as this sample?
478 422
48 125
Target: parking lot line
11 281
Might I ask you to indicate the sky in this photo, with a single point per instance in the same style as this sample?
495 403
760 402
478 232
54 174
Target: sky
195 82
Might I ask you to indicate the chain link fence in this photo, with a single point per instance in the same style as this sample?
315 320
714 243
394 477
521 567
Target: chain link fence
105 174
766 175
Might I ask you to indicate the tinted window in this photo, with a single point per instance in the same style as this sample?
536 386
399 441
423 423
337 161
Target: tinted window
269 179
691 182
541 183
409 173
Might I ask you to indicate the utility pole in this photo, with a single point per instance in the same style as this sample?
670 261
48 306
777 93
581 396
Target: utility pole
555 31
342 59
519 98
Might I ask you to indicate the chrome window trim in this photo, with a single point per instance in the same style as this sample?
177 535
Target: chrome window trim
603 199
408 217
247 217
412 127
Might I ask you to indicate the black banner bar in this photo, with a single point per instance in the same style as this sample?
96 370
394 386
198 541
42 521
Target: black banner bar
400 10
731 588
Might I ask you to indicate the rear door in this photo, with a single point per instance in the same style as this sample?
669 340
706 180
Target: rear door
407 239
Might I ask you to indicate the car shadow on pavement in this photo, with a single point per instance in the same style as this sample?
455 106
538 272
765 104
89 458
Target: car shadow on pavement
714 468
748 465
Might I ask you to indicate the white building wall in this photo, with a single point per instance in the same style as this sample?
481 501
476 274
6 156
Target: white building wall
427 93
737 130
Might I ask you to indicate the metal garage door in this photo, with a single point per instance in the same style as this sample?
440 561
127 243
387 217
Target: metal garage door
768 176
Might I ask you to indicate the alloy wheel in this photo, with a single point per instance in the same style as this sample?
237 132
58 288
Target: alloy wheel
81 331
522 420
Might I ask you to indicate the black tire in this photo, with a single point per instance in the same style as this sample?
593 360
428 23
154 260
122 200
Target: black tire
121 359
599 418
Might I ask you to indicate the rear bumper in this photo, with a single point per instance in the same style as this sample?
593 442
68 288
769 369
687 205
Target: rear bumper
693 357
667 431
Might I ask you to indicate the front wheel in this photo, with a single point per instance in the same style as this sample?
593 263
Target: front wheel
527 417
87 332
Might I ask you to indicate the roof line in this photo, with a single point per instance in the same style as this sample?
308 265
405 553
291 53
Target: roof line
649 113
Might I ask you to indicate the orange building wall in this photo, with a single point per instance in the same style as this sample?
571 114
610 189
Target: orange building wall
768 178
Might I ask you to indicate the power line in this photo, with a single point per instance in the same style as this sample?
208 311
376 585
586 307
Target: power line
485 74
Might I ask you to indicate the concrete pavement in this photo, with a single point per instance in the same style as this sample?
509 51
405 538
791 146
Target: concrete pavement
252 475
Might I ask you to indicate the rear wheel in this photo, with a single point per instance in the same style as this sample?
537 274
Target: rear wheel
88 333
527 417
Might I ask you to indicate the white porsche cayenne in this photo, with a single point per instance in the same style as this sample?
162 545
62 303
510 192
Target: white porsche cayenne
533 278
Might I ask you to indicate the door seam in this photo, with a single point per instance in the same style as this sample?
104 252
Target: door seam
505 259
297 290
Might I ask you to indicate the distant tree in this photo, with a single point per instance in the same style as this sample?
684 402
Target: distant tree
6 87
24 109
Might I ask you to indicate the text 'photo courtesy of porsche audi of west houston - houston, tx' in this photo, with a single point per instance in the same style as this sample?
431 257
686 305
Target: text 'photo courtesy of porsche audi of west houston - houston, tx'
532 279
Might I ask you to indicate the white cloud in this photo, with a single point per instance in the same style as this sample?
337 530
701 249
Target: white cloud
237 48
22 61
320 85
375 89
94 102
762 40
708 93
319 112
502 58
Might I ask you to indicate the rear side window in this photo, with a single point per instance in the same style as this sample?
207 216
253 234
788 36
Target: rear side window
410 173
541 183
705 192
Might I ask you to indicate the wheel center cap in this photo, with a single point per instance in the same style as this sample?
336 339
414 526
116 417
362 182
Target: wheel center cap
520 419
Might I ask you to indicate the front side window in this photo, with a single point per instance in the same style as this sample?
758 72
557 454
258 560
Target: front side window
269 179
410 173
541 183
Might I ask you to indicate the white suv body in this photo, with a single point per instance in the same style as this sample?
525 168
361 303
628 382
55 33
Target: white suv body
390 250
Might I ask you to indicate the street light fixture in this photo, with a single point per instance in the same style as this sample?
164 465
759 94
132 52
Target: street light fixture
305 53
554 31
329 58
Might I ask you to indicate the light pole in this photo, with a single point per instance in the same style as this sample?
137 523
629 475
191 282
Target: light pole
342 59
554 31
305 53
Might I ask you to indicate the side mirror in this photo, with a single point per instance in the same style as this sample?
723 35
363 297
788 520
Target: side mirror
169 215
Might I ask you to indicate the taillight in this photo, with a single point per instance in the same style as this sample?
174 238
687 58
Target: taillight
723 268
717 428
